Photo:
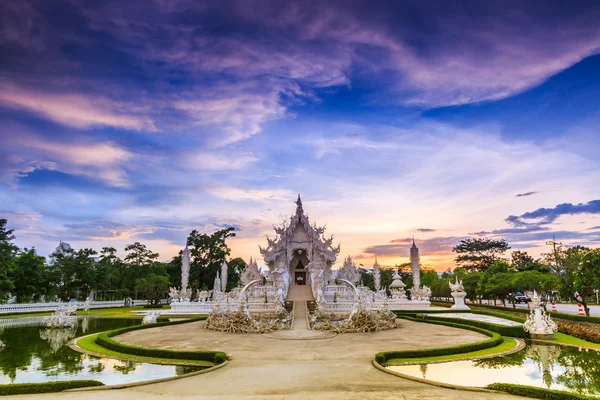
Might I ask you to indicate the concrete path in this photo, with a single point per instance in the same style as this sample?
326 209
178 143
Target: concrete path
300 329
263 368
299 293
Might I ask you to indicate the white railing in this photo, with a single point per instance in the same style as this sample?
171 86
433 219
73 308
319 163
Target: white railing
47 307
208 306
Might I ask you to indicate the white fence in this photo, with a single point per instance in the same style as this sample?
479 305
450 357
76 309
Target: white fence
48 307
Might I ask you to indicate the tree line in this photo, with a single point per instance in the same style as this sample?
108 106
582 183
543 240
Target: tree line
75 274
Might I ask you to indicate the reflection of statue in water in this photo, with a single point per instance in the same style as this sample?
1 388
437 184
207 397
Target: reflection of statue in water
57 338
423 368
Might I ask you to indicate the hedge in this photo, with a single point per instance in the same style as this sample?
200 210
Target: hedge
104 340
511 331
44 387
495 340
537 393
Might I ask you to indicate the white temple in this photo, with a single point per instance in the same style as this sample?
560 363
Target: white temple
300 260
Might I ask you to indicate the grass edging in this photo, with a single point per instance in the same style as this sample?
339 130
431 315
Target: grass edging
537 393
104 340
494 340
45 387
508 346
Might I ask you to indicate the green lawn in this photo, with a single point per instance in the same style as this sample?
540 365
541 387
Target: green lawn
563 338
89 343
506 345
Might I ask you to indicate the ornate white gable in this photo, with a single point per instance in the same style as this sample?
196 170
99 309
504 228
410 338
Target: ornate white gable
299 238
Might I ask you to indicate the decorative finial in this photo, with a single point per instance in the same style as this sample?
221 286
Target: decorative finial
299 209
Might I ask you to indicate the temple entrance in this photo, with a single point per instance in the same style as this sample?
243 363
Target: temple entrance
300 277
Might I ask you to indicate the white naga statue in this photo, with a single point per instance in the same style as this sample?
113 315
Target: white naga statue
457 291
151 317
539 324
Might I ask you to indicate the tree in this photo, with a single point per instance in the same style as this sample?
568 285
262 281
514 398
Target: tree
587 277
235 266
207 253
154 287
74 272
109 270
7 252
521 261
499 286
141 262
470 283
542 283
29 275
480 253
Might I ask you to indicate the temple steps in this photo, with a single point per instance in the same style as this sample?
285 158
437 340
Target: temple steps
300 293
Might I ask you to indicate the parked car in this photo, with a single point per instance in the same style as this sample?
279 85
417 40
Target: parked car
520 298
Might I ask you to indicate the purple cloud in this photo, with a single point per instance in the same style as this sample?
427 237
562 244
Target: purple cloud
543 216
525 194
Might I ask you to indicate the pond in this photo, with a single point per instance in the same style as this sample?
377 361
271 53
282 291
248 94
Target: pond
546 366
35 354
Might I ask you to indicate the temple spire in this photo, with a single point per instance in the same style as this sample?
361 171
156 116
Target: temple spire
299 208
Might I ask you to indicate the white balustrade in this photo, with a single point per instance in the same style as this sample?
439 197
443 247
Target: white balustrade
51 306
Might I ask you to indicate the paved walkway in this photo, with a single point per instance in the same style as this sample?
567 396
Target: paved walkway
265 368
478 317
300 329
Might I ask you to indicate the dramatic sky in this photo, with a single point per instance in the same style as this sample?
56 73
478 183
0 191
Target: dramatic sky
124 121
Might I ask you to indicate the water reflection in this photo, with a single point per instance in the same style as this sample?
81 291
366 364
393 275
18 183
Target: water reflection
550 366
37 354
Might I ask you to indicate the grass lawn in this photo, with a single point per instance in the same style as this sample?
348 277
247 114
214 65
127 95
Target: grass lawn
89 343
506 345
563 338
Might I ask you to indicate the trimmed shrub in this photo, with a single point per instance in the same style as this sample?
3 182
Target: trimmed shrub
104 340
579 331
45 387
495 340
537 393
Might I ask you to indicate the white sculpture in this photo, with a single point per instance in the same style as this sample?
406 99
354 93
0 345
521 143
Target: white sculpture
539 324
86 305
459 294
217 287
174 294
63 317
397 287
224 277
12 299
250 273
185 268
415 265
349 271
377 275
151 317
202 296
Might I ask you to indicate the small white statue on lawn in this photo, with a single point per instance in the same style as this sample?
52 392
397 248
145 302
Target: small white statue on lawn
539 324
151 317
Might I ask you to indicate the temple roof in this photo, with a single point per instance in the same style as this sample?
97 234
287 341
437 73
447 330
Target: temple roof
315 234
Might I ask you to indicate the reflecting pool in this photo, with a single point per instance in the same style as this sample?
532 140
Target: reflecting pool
546 366
36 354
